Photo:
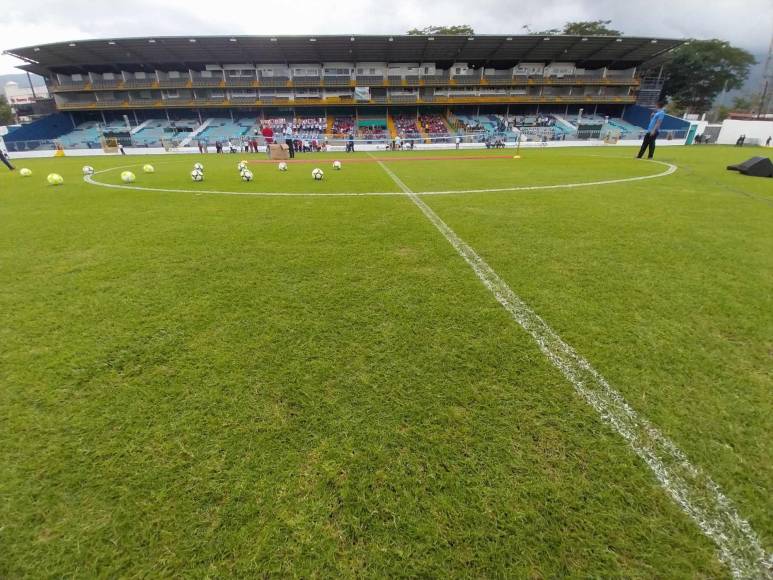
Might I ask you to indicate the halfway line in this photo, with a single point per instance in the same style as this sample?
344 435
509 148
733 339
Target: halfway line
692 489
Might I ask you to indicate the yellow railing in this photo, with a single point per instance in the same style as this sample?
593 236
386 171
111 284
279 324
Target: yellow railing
495 100
123 86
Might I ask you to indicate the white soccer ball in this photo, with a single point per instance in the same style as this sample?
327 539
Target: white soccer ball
148 168
88 170
24 172
197 175
336 165
55 179
282 166
127 177
198 166
246 175
317 174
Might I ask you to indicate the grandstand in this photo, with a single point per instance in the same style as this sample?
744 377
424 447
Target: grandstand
207 89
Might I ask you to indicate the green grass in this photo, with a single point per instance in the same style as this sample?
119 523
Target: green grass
196 385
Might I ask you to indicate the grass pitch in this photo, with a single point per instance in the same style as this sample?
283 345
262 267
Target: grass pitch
195 384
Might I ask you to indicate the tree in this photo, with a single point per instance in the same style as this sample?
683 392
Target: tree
579 28
742 103
459 29
6 114
700 69
590 28
721 114
748 103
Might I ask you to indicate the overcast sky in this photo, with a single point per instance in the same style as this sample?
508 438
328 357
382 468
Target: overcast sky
745 23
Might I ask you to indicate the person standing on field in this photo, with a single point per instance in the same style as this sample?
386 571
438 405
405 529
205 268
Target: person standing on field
653 129
289 140
4 159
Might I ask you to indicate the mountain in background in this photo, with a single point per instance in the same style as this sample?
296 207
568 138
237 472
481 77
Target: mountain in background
752 86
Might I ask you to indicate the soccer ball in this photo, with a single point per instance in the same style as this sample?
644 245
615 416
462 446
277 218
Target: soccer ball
336 165
148 168
198 166
317 174
282 166
246 175
197 175
88 170
24 172
127 177
55 179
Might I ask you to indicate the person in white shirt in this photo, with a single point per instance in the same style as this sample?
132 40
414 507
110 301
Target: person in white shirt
289 140
4 158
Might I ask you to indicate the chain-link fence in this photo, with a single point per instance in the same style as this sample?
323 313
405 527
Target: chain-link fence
319 142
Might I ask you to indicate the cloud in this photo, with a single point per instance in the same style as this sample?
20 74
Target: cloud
41 21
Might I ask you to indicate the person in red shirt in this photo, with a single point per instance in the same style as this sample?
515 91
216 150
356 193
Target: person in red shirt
268 134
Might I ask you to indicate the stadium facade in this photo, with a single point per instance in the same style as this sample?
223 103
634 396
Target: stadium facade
449 79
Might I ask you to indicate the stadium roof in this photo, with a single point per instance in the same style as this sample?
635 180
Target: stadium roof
168 52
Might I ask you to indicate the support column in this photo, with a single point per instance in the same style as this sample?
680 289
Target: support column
32 88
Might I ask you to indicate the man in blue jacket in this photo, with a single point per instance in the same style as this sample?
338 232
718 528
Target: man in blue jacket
656 119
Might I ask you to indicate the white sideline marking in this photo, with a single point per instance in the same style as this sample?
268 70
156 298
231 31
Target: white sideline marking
670 168
692 489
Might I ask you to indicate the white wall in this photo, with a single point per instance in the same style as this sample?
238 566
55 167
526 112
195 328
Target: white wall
732 129
131 151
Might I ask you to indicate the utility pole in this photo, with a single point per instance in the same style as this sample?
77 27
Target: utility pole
767 80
